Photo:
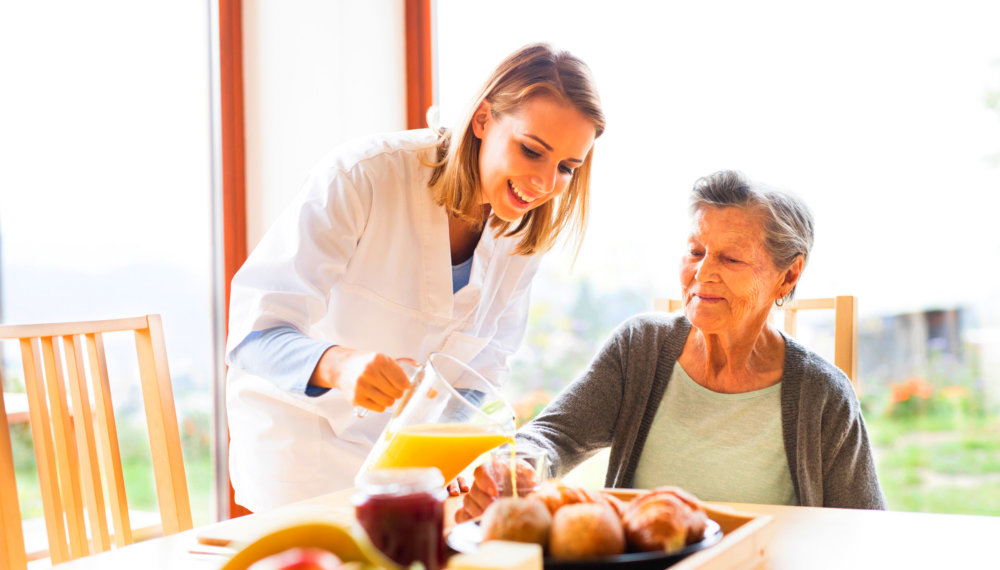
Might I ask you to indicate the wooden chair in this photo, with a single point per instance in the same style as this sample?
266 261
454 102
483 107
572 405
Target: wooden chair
845 339
77 453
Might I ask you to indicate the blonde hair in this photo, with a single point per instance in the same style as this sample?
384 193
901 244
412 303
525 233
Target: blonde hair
455 182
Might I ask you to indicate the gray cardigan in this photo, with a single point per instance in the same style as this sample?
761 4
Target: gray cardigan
613 404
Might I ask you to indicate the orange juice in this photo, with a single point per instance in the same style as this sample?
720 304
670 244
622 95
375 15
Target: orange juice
513 468
449 447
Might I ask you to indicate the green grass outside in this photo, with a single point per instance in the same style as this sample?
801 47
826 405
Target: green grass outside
140 489
939 465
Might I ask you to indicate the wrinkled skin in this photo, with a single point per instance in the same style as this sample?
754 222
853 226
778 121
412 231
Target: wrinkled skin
730 283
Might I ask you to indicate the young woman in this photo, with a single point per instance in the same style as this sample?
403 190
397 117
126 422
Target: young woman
401 245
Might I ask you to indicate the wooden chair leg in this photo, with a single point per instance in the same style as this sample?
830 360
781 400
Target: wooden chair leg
12 553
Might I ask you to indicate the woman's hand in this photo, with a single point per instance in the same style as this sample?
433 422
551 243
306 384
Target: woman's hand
482 493
491 479
371 379
458 486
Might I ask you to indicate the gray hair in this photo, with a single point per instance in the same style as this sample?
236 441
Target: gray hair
787 221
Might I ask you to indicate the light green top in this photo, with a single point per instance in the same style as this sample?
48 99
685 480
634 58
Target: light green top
721 447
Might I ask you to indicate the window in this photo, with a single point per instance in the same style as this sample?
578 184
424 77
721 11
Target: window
882 117
105 193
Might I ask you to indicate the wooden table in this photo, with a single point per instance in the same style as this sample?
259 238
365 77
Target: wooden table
803 538
812 537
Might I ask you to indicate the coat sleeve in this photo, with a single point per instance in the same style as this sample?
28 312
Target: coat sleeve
582 419
287 279
493 360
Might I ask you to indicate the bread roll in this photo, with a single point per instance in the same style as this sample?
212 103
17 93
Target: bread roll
586 530
517 519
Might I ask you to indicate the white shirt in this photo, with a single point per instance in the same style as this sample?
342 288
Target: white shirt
361 259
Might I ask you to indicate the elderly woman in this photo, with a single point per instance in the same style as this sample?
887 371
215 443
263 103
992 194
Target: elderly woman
717 401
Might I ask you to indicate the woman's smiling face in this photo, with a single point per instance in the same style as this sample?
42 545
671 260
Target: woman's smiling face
529 156
728 277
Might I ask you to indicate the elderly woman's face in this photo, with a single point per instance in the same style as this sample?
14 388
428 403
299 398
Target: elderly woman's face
728 277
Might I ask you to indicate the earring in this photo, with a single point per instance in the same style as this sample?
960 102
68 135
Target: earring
779 302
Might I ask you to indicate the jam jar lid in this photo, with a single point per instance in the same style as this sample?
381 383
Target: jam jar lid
399 481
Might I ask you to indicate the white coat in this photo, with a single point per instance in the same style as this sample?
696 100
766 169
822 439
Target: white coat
361 259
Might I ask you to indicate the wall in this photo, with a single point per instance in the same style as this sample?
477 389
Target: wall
316 73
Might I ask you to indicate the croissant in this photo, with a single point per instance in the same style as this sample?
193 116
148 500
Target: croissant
617 504
554 494
665 519
681 494
549 494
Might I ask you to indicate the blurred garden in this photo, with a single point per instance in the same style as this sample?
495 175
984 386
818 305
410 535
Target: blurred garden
937 444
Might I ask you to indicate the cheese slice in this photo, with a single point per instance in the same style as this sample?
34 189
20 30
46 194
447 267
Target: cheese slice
495 554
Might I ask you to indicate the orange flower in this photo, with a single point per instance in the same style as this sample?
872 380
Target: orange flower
910 388
900 392
922 389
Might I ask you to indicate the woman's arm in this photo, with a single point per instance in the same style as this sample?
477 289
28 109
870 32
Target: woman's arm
282 355
570 429
286 284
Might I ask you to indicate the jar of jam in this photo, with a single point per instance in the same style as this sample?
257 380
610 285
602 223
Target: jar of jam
402 510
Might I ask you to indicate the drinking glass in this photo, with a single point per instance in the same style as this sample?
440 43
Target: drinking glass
531 466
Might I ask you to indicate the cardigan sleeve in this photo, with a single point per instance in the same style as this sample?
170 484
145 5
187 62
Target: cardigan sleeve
830 452
849 478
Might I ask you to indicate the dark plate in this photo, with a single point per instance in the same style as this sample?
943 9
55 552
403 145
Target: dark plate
465 537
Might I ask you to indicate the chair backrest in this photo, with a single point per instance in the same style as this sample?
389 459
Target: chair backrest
845 328
77 453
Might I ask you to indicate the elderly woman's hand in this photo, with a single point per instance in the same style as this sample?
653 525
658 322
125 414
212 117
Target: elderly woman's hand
491 480
458 486
482 492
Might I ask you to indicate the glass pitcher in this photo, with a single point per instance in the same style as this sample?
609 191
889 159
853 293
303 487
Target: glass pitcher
448 417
